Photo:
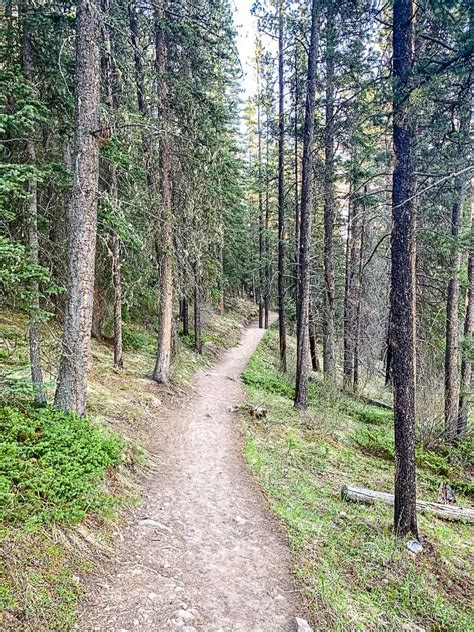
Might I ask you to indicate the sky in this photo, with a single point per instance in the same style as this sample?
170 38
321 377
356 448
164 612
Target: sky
246 27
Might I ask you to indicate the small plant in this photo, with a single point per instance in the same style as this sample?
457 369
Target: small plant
52 466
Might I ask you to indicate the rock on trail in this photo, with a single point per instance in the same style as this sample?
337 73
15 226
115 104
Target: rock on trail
203 551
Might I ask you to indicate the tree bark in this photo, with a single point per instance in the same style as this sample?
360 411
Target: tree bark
260 203
359 288
329 337
370 497
313 345
466 385
71 391
348 363
163 357
451 357
96 325
281 191
302 329
185 316
402 296
32 225
296 171
108 72
197 312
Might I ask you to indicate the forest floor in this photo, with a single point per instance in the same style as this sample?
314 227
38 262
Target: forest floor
357 576
51 546
202 550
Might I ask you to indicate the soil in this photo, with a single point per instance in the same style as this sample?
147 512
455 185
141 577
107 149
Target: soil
202 551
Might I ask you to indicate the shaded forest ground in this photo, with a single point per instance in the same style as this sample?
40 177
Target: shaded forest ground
50 542
356 575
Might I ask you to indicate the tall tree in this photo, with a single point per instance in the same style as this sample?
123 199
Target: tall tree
302 325
165 247
71 391
451 359
402 296
281 188
32 218
329 337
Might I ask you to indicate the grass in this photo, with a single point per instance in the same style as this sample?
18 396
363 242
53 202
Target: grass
65 481
356 574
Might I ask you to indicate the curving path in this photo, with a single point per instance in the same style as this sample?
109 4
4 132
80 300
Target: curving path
203 551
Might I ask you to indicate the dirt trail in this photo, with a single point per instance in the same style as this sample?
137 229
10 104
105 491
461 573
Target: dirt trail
203 551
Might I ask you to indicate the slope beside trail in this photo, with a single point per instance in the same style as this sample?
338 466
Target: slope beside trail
203 551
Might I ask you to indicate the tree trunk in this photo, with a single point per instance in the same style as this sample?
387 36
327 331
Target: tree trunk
302 329
163 357
402 296
71 391
185 316
96 325
267 225
348 366
369 497
296 170
197 312
466 384
358 298
260 203
451 358
109 74
451 394
313 346
329 338
32 226
281 191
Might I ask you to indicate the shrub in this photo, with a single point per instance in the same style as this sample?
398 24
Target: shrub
52 466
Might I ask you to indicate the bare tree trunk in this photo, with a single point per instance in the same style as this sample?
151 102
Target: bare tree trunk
313 345
112 187
302 329
96 325
260 202
267 225
360 280
32 225
281 191
163 357
185 316
197 312
402 297
296 170
451 394
348 367
71 391
466 385
451 358
329 338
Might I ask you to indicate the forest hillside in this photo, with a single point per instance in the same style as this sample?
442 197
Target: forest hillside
236 255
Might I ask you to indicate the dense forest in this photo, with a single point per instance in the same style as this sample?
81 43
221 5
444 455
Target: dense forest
141 185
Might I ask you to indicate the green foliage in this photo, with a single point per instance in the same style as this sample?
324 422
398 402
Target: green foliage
138 339
357 576
375 442
367 414
52 466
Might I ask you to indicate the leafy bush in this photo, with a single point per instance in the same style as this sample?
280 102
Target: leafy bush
268 383
52 466
367 414
136 338
375 442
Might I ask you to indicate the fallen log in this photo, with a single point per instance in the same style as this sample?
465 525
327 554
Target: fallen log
369 497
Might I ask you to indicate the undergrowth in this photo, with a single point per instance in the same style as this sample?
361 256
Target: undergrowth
63 479
356 574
